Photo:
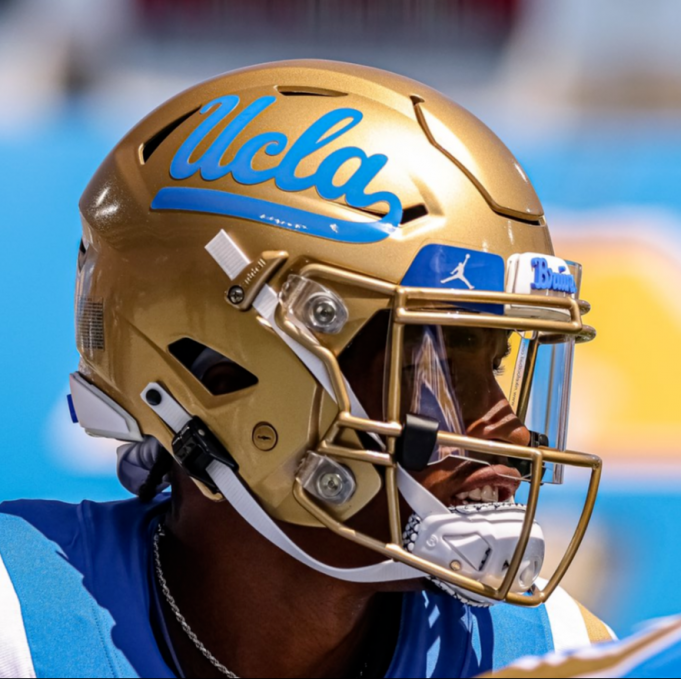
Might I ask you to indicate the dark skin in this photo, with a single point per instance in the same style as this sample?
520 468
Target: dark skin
262 613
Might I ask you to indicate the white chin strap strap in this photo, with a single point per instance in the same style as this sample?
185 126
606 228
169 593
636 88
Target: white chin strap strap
244 503
437 534
234 491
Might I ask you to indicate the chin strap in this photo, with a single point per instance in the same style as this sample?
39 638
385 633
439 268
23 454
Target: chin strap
477 541
234 491
236 494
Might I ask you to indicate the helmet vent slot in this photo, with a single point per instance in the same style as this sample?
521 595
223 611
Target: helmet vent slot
374 212
308 92
413 213
82 251
410 214
148 149
217 373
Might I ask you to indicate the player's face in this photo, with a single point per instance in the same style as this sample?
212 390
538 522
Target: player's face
467 361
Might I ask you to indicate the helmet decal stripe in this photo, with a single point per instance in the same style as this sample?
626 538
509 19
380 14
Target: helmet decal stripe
330 127
210 201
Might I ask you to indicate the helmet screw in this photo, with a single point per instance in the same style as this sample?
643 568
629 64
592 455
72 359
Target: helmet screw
154 397
236 294
330 485
455 565
265 437
324 312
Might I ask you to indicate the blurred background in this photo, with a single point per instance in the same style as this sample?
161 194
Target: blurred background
588 97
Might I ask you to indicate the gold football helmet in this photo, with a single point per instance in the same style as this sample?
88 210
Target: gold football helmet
246 241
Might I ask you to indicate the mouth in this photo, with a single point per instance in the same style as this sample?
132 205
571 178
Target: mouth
472 484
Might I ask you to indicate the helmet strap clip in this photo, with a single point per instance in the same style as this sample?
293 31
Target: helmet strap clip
414 448
195 447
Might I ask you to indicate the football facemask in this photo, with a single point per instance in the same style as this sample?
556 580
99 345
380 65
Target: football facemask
443 364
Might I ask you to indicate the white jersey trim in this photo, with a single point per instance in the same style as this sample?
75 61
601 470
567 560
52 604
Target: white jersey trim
15 654
567 622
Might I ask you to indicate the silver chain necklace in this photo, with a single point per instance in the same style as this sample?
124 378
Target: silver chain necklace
160 533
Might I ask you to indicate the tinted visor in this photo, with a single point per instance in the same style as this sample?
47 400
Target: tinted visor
488 383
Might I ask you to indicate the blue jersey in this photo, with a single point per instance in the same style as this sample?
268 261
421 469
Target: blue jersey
76 595
654 653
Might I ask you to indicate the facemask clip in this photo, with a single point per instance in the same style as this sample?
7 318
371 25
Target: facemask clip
327 480
195 447
314 306
414 449
254 278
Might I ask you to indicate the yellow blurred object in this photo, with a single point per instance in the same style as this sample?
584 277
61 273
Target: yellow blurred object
634 365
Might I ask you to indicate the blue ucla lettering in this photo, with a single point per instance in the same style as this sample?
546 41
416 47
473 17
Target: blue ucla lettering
272 143
316 137
320 134
210 164
546 278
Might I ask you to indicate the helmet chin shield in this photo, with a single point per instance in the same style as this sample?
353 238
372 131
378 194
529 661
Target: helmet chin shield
487 552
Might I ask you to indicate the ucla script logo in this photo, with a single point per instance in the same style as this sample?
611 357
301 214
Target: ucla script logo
327 129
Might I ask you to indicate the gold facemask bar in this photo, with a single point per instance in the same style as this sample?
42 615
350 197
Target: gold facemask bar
404 313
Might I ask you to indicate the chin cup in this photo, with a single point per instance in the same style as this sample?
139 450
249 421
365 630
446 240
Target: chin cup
478 542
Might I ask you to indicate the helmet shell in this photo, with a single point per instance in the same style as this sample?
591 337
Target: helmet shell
409 155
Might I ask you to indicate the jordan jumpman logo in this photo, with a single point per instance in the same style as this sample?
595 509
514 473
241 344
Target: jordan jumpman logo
459 275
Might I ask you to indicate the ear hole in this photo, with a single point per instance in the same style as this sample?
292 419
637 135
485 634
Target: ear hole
217 373
147 149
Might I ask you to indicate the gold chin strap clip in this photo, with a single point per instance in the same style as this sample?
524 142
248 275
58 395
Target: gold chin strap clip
253 279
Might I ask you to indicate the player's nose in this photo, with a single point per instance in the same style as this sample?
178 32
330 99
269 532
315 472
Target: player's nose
498 422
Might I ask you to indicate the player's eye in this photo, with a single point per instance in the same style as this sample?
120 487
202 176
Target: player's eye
499 365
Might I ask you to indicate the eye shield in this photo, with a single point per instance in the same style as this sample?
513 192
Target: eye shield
470 367
474 380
